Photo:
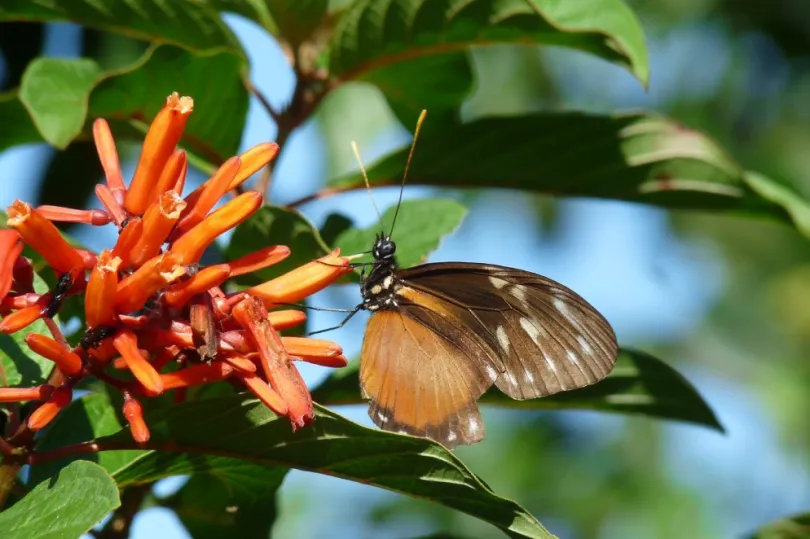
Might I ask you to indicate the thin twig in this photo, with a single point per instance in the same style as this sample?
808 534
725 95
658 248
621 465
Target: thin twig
321 194
262 99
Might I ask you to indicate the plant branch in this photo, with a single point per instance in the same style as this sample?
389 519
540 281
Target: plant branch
324 193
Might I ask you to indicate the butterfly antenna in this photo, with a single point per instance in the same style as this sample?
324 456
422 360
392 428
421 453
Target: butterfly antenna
408 165
368 186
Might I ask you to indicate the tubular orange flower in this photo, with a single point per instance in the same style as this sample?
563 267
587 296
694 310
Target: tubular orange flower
265 393
287 319
151 277
42 236
212 276
46 412
20 301
66 361
241 364
157 223
133 413
253 160
22 318
317 351
22 394
197 375
113 207
127 345
303 281
210 192
190 246
259 260
127 239
163 135
88 257
108 155
11 246
277 366
99 301
173 174
71 215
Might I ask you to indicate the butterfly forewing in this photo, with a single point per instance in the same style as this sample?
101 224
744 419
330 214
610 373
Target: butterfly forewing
543 337
422 381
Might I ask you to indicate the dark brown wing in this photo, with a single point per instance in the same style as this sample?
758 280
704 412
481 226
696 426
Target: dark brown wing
420 378
545 337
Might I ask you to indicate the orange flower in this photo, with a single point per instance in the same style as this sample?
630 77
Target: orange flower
127 239
99 301
210 192
287 319
210 277
315 351
22 318
157 273
127 345
302 282
190 246
196 375
42 236
157 223
173 176
259 260
22 394
276 364
11 247
70 215
111 204
133 413
66 361
161 140
43 415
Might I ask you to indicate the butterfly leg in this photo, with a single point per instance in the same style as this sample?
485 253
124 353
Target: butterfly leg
352 312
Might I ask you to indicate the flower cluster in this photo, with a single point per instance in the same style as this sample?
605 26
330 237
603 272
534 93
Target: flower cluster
151 308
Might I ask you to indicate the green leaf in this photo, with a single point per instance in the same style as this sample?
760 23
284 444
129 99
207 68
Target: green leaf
333 226
237 500
91 416
636 157
375 41
63 508
795 527
214 129
796 207
55 92
420 226
639 384
243 428
292 20
192 25
273 225
20 366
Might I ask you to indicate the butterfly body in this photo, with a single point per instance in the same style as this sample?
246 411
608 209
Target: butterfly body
441 334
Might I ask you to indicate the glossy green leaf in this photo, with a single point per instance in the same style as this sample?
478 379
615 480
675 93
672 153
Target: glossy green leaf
636 157
67 506
639 384
399 44
91 416
20 366
291 20
238 499
195 26
796 207
795 527
204 432
420 226
55 92
273 225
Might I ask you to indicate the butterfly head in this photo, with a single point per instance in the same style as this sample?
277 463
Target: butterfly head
384 249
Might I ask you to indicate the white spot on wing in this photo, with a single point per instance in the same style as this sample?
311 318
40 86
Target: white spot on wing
386 284
503 338
573 357
451 436
474 425
491 373
529 377
382 417
497 283
531 329
519 292
376 289
560 304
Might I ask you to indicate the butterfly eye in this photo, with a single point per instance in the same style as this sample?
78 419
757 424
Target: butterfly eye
385 249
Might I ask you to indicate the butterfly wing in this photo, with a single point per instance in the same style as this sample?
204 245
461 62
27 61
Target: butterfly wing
420 378
544 337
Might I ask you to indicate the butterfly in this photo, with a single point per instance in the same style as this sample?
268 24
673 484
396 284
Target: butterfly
441 334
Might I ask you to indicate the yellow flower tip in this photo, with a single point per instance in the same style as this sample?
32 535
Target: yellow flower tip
127 345
259 260
303 281
191 245
43 236
99 303
183 105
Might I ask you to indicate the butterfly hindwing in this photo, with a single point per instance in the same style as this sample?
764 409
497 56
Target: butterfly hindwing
420 381
543 337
